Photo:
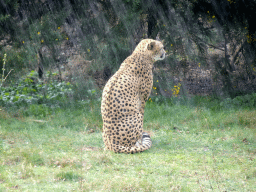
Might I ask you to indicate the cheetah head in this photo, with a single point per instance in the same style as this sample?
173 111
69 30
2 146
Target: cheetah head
152 48
157 50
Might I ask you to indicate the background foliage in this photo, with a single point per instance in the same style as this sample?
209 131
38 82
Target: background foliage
85 41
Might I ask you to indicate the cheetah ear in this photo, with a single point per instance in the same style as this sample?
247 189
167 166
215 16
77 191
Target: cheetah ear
151 45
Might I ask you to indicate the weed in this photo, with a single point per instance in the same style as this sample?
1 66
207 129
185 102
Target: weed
27 171
247 118
68 176
3 69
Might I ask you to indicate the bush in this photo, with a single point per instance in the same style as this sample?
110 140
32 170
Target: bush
30 90
246 101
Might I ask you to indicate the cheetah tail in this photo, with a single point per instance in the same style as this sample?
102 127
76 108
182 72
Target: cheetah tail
145 144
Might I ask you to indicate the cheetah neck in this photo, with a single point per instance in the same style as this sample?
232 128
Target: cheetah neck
140 60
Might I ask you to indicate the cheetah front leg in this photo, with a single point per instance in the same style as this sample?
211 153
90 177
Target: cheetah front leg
145 140
143 99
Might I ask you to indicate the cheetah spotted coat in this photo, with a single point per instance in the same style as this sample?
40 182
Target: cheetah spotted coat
124 97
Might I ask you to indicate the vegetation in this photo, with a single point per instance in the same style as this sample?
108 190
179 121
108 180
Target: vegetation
196 147
28 91
214 35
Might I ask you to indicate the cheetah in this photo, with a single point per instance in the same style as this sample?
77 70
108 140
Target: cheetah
124 98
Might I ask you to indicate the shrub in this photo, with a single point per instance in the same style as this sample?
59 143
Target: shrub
246 101
30 90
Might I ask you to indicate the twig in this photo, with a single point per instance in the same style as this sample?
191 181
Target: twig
39 121
210 45
237 51
2 80
7 75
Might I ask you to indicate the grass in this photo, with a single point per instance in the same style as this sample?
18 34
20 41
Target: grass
195 148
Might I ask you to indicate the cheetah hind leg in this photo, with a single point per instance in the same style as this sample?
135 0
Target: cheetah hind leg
145 140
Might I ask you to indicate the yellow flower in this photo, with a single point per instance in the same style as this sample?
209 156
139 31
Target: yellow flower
38 33
208 11
249 40
156 80
58 27
67 38
88 50
56 39
213 16
176 90
23 41
171 44
42 41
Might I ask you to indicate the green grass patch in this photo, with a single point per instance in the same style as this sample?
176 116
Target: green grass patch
68 176
195 148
